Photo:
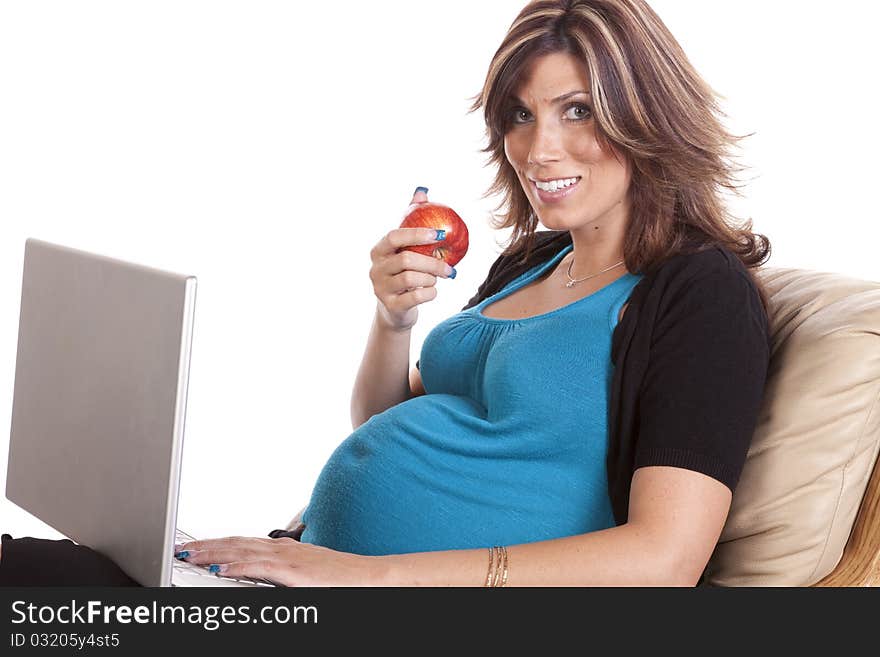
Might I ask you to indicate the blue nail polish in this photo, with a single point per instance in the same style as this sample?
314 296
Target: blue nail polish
214 568
421 189
453 274
182 555
441 235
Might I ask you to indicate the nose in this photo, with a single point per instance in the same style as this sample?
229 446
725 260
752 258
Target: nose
546 145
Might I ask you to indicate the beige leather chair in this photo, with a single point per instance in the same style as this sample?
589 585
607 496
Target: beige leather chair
806 510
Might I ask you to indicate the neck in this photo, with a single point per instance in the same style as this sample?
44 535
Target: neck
592 254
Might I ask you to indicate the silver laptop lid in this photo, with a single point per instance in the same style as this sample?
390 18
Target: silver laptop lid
100 401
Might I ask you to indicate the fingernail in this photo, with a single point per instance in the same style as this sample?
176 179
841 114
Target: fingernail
182 555
421 189
441 235
453 274
216 569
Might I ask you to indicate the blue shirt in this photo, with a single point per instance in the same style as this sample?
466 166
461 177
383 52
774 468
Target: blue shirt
508 445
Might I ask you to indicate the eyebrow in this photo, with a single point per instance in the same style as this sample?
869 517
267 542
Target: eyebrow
560 99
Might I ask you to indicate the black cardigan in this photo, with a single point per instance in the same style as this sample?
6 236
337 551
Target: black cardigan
691 356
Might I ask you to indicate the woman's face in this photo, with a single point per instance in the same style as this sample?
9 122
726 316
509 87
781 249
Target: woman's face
552 136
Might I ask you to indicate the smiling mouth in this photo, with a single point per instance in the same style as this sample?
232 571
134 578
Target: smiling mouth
557 186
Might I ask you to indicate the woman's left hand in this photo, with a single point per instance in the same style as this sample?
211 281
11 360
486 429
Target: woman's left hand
284 561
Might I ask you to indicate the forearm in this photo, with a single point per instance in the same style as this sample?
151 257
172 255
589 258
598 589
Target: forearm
620 556
383 378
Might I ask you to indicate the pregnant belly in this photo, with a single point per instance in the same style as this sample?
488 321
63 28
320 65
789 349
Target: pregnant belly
429 474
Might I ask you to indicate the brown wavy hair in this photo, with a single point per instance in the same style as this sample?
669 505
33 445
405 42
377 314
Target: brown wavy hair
648 101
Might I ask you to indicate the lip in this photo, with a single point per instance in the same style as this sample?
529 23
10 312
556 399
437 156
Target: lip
555 197
546 180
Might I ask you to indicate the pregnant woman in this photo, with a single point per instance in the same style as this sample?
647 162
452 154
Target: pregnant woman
585 418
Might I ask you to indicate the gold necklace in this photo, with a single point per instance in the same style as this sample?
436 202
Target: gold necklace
572 282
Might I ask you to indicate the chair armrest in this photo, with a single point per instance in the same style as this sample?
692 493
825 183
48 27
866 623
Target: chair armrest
860 563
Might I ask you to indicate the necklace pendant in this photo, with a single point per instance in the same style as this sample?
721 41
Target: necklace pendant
570 284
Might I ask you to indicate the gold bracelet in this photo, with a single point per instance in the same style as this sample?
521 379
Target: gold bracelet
491 563
502 566
497 575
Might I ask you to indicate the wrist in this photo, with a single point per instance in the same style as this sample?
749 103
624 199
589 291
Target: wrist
439 568
380 571
383 323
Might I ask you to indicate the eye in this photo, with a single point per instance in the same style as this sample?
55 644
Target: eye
516 114
585 112
519 115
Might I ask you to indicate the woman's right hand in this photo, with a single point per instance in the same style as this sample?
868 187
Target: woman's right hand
404 279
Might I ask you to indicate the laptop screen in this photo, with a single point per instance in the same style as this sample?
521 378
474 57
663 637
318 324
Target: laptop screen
99 402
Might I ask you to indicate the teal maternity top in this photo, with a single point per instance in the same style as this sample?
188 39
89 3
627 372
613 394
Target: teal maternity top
508 445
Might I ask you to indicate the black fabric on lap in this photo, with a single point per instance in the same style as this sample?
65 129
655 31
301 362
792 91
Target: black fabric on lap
43 562
295 534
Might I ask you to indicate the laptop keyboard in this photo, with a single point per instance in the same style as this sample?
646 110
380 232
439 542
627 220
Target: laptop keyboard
210 579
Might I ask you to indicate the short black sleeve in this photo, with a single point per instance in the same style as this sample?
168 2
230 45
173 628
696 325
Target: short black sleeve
704 383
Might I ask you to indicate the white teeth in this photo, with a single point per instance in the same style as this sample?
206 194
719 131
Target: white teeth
555 185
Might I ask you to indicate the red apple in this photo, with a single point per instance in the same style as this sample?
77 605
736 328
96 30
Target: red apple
437 216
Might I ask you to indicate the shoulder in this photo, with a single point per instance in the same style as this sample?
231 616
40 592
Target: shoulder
712 260
545 245
708 273
700 290
708 292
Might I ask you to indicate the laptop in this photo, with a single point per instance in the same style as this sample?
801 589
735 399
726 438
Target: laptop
99 408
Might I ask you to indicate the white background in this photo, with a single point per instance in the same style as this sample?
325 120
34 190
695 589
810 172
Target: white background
265 147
